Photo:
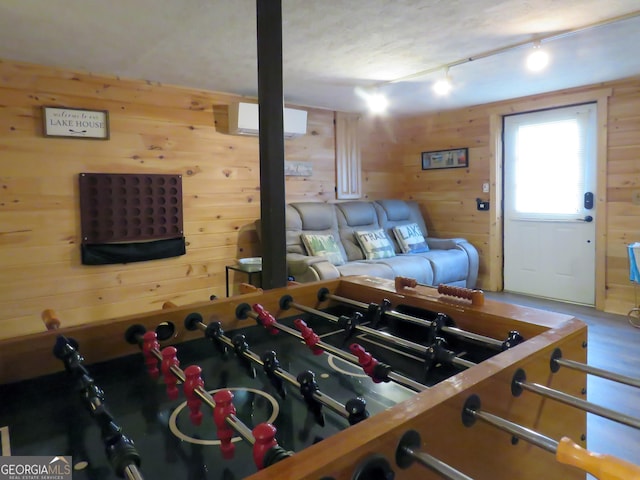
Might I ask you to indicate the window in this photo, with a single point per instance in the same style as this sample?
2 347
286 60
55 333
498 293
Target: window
550 151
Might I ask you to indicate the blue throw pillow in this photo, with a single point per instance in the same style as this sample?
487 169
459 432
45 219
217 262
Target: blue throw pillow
410 238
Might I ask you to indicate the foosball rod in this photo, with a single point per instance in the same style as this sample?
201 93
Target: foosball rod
324 294
557 361
268 321
519 383
121 451
287 301
408 452
603 467
193 322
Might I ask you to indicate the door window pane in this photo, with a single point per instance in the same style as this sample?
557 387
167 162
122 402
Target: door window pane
548 173
547 177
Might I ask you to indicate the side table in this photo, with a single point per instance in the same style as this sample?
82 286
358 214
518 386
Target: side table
249 269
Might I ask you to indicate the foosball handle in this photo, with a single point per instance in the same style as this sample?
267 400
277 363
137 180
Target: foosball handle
308 335
193 382
149 343
603 467
170 359
476 296
248 288
224 407
50 319
404 282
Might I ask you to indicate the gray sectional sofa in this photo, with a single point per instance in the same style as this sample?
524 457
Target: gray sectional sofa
451 261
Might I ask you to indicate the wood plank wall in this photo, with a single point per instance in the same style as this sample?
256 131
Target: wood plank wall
448 197
154 129
166 129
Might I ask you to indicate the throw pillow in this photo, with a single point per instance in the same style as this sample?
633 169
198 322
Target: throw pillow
410 238
323 245
375 244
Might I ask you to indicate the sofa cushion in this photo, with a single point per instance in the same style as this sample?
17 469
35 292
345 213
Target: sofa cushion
413 266
410 238
316 215
393 213
396 210
323 245
364 267
311 217
449 266
375 244
355 216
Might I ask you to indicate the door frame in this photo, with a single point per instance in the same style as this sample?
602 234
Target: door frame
540 102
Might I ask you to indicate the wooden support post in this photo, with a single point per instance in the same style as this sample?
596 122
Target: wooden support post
270 97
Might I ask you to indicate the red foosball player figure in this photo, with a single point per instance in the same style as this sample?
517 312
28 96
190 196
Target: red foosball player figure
193 381
224 408
170 359
150 343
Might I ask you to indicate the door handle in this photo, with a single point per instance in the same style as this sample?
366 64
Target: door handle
587 219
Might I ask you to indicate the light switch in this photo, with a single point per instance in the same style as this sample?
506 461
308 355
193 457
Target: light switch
485 188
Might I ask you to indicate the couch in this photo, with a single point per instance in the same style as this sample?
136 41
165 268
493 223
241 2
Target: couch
370 238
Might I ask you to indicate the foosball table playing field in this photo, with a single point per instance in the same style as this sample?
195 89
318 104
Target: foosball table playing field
358 378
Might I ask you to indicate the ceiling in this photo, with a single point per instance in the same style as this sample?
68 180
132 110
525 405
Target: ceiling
331 47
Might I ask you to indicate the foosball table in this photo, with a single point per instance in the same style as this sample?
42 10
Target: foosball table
358 378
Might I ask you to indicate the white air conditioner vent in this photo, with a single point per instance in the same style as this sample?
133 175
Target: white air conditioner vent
243 120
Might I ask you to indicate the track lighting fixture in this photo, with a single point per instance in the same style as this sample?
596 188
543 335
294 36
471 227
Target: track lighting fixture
376 101
538 59
443 86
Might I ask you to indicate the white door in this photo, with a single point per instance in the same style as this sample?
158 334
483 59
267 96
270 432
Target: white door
549 203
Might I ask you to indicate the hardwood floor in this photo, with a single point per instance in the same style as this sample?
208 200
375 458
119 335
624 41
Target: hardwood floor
613 344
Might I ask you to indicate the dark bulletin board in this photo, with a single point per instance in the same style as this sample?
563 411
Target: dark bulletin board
117 208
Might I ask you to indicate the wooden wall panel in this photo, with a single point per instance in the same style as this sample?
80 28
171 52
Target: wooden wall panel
447 197
154 129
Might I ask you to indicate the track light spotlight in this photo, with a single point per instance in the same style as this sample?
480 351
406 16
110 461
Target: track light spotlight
376 101
443 86
538 59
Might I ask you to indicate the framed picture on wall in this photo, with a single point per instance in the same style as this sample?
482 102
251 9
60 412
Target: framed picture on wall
456 158
75 123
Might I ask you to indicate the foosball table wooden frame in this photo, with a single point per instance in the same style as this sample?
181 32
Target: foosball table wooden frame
480 451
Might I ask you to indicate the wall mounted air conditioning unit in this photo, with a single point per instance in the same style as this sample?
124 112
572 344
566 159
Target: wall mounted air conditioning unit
243 120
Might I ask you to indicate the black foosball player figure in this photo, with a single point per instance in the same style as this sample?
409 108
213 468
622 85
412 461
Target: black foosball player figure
120 450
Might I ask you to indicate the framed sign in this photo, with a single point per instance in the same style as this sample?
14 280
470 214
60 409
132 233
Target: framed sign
457 158
76 123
